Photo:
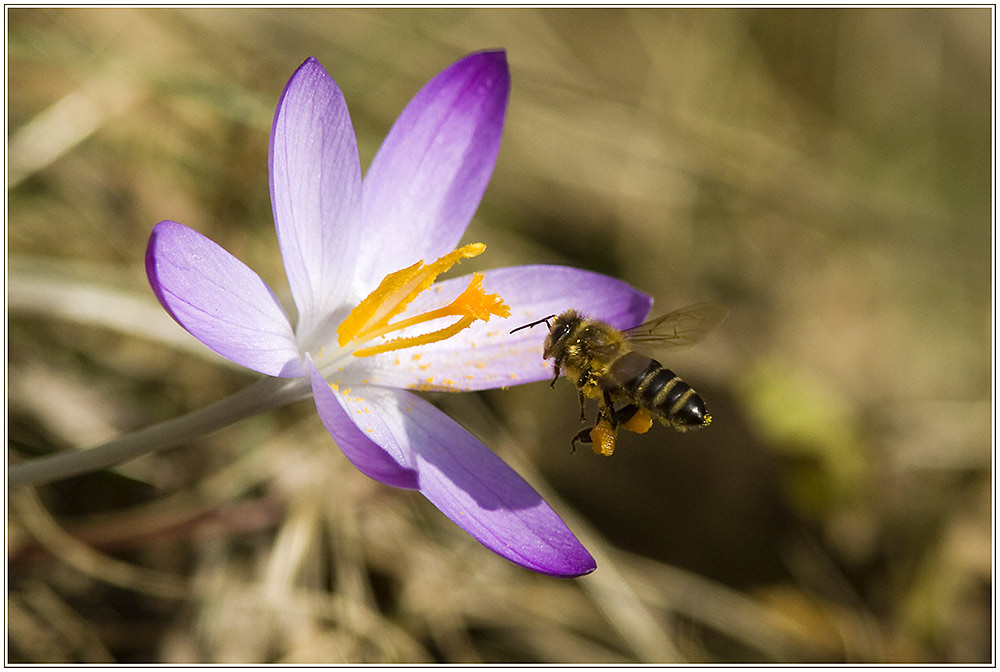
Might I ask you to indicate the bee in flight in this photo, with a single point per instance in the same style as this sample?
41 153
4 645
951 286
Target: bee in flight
631 388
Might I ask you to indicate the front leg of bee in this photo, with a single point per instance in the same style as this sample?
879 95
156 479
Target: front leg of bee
556 368
587 385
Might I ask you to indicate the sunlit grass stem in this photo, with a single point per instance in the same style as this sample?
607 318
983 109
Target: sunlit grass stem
264 395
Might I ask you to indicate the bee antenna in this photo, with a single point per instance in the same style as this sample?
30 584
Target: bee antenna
531 324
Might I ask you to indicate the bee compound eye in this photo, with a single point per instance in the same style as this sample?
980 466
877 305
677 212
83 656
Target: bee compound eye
560 331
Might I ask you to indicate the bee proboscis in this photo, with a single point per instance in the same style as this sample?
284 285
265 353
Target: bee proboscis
631 388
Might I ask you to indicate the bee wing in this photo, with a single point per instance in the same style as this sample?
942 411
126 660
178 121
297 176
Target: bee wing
684 326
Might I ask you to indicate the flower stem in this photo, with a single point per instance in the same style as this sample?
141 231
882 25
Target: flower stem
261 396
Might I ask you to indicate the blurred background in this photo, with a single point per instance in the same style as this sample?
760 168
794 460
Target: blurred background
826 174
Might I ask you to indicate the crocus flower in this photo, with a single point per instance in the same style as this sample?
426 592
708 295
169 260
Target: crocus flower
362 258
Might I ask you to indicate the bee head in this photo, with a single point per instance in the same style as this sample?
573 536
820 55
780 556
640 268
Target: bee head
559 331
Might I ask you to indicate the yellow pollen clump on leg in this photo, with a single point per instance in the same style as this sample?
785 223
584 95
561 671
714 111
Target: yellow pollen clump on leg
370 319
603 437
640 422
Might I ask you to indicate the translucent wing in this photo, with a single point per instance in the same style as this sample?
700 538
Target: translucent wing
684 326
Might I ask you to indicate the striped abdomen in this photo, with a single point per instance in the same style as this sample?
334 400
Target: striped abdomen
658 390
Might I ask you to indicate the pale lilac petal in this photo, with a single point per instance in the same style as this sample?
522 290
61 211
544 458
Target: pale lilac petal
221 301
427 179
467 482
315 191
358 444
487 355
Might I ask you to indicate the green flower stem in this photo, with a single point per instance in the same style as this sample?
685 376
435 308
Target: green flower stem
264 395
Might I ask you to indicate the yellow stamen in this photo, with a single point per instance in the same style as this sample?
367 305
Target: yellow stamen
395 292
370 318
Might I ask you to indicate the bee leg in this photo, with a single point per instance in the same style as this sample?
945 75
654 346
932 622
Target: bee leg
607 411
625 413
556 368
601 436
633 418
583 436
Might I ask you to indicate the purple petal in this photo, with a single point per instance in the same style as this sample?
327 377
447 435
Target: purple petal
315 190
487 355
359 444
427 179
467 482
223 303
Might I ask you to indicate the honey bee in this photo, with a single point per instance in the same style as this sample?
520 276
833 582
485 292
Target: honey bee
631 388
